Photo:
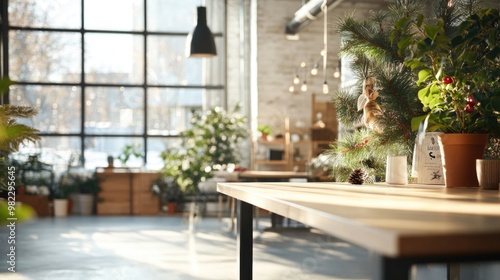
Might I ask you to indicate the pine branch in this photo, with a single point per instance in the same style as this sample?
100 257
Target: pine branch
345 100
363 38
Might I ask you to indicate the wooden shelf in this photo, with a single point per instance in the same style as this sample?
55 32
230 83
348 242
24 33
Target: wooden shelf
319 139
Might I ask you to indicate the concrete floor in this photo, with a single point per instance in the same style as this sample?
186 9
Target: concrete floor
149 248
163 248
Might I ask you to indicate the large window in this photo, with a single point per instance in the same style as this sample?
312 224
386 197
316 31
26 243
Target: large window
108 73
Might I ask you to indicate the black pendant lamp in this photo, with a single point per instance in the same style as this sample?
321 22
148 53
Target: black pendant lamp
200 43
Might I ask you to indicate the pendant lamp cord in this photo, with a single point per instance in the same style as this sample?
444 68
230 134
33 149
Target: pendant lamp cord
325 36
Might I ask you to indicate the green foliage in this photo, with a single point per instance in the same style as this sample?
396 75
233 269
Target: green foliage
372 46
210 144
462 46
128 151
168 190
12 134
264 129
22 212
78 183
360 150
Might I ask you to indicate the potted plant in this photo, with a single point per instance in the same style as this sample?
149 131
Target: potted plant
264 130
62 201
488 169
84 188
456 59
170 194
209 145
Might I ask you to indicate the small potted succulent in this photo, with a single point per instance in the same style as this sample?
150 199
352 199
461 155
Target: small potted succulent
264 130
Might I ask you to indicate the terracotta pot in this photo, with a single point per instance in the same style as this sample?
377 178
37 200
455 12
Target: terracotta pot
488 173
70 205
459 153
172 207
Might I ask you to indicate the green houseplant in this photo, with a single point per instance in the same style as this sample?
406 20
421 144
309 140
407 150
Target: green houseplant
456 59
264 130
210 144
459 73
127 152
169 192
83 188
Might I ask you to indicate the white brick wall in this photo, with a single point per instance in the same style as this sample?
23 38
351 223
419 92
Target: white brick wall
277 58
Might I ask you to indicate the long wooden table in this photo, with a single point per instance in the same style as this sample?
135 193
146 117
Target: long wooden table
276 176
402 225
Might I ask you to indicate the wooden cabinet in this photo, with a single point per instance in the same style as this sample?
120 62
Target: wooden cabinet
127 192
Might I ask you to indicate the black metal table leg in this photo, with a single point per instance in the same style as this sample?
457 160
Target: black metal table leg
390 268
245 240
453 271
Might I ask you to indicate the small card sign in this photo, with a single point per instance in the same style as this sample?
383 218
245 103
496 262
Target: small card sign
427 167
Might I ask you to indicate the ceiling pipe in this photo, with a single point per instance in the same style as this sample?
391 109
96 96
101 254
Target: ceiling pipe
306 14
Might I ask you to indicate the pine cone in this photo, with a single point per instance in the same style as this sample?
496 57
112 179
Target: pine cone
357 177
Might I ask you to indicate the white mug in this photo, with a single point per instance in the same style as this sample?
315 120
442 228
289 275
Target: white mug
396 171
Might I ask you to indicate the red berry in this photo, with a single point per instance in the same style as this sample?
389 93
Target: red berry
356 146
469 108
447 80
470 100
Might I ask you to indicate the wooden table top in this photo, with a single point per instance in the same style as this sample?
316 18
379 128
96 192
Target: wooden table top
256 174
412 220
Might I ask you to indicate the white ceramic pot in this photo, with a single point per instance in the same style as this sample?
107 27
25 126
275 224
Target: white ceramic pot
488 173
60 207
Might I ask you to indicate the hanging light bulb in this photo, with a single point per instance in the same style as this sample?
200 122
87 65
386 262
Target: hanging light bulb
291 88
336 74
304 86
325 87
296 80
314 70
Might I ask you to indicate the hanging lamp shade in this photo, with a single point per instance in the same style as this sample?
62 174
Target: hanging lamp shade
200 42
